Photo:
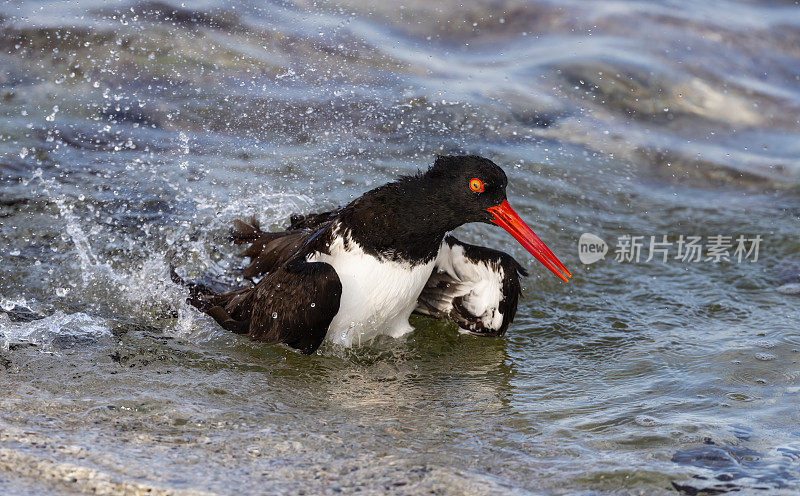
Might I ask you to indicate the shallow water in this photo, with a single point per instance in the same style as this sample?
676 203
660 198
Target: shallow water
132 134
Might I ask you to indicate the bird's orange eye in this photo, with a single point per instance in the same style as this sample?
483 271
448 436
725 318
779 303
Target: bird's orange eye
476 185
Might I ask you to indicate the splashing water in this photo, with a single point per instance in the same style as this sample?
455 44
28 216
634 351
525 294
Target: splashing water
133 134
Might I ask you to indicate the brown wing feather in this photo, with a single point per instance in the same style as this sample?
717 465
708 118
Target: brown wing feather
294 304
273 253
269 250
311 221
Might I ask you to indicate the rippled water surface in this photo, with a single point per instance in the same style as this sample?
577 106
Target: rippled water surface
133 133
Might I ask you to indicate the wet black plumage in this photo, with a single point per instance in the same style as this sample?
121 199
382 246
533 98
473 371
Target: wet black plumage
404 221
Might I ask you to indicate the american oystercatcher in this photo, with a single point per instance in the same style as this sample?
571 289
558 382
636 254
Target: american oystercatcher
354 273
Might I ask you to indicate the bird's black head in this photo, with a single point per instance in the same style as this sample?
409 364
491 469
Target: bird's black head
408 218
470 185
469 188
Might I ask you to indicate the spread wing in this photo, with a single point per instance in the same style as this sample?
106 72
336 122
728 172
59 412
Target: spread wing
477 287
294 304
269 250
295 300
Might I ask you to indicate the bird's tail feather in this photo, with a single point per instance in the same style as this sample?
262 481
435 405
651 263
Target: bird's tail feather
198 292
231 310
242 232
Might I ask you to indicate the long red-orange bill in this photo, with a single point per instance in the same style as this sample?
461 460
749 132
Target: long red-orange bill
505 217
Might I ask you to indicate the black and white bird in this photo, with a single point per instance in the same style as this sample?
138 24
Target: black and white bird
360 271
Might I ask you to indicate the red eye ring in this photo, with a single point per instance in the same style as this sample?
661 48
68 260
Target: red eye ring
476 185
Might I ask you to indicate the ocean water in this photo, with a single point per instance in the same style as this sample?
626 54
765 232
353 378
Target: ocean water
133 133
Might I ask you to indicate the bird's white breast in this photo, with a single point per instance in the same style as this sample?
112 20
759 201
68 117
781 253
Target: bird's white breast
378 295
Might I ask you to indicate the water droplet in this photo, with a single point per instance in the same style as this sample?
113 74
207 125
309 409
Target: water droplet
313 305
274 315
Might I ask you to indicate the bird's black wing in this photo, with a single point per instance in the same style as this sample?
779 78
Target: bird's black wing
269 250
311 221
477 287
294 304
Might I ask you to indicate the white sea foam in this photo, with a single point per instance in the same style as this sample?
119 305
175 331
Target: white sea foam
43 331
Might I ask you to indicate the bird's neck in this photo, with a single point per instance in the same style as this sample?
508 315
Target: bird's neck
404 221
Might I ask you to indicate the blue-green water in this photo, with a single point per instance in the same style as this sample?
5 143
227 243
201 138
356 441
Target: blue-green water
133 133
